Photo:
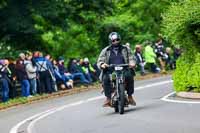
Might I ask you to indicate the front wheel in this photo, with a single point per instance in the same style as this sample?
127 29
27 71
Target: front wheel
121 100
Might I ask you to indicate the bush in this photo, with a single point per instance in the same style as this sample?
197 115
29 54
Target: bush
182 26
187 75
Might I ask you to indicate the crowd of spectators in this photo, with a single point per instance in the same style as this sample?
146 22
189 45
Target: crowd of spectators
35 73
155 57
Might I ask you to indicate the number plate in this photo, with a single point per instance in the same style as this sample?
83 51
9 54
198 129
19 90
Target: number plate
118 68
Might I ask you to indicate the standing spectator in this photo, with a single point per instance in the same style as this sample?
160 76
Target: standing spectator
32 73
44 75
139 59
51 71
22 75
4 80
13 88
35 56
160 53
150 57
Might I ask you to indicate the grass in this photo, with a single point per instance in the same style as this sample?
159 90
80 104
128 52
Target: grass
19 101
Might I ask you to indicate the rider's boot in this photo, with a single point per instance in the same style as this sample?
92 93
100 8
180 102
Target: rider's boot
131 101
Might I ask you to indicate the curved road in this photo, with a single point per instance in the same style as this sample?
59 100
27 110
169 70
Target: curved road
82 113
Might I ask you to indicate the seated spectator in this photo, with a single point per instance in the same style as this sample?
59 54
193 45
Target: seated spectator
79 64
62 74
76 72
88 70
139 59
22 76
150 57
4 80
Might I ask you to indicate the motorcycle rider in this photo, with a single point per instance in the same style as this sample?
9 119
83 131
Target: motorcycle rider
116 53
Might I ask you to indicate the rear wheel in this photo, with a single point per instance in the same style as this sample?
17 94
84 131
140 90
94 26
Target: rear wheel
121 100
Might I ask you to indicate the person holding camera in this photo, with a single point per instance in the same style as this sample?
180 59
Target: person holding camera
4 80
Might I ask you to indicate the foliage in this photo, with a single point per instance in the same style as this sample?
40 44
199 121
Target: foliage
133 22
2 3
77 28
6 51
187 75
182 22
182 26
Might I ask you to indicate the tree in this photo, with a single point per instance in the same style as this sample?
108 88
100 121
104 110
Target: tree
136 20
63 27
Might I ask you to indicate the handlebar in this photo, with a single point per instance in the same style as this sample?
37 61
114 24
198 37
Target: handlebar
118 65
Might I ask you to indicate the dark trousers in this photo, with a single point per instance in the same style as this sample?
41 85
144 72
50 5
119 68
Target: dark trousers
129 81
13 89
45 82
5 89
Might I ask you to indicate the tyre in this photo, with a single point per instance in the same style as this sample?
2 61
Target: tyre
121 100
116 107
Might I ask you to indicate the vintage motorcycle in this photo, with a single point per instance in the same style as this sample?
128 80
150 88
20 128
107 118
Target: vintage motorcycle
119 99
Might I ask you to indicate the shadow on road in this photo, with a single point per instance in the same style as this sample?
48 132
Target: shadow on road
144 107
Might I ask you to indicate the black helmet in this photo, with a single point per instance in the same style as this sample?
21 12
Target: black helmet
114 36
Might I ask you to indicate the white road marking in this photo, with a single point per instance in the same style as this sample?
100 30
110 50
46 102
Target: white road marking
15 128
95 98
152 85
166 99
41 115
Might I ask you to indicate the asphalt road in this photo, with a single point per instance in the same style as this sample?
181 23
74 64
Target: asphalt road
83 113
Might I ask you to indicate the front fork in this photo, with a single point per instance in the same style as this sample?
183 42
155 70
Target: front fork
115 85
121 80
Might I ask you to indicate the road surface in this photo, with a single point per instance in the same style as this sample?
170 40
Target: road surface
83 113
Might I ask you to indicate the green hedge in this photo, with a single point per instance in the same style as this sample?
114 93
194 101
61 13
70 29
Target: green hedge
181 25
187 75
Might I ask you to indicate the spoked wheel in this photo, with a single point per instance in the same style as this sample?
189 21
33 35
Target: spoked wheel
121 101
114 101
